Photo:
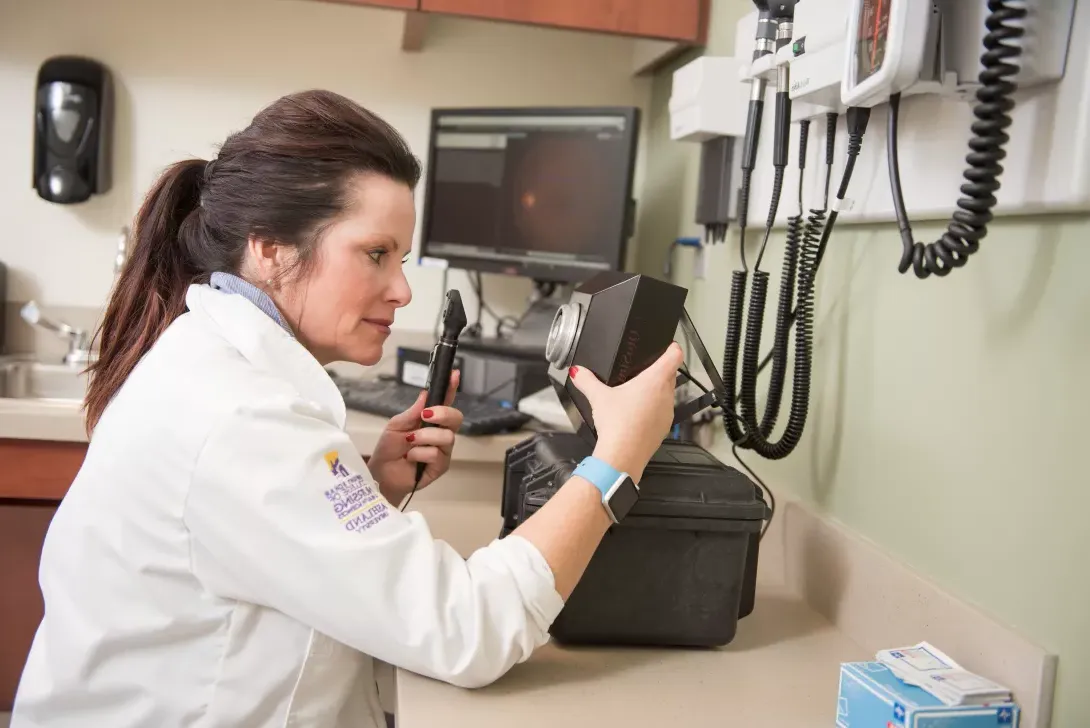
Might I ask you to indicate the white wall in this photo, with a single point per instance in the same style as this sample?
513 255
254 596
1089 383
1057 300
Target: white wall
188 73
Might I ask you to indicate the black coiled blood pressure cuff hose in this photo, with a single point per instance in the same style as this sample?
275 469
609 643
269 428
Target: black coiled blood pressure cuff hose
969 224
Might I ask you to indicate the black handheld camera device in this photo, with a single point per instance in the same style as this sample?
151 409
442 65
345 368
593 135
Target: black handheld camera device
616 325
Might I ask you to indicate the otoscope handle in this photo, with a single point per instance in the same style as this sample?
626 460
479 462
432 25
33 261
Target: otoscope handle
782 139
438 384
753 131
439 376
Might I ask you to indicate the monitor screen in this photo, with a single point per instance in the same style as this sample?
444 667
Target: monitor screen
542 193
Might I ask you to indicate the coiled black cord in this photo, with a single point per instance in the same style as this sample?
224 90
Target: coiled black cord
743 214
773 210
787 295
814 224
730 353
800 392
969 224
737 296
815 238
756 435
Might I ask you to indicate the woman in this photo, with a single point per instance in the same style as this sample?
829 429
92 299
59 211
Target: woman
224 557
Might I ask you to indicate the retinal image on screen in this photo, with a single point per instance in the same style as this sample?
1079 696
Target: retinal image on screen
506 188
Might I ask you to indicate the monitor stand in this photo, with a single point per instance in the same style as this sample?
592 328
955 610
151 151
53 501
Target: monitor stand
528 340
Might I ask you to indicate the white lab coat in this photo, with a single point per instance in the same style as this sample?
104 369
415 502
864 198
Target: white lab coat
224 558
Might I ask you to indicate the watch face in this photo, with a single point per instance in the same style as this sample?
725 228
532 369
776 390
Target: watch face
623 498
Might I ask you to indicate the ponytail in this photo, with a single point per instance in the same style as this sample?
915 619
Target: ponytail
150 292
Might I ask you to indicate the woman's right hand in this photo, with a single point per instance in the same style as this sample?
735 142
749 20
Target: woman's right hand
632 419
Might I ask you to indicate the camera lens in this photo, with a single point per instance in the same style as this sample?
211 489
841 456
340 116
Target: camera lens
562 334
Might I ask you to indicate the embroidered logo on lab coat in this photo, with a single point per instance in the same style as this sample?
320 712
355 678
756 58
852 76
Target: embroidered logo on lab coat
356 502
336 467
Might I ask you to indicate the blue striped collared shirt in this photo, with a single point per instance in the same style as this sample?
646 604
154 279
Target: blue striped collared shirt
230 283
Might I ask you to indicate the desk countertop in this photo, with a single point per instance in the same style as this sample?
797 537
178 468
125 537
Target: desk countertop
781 670
63 421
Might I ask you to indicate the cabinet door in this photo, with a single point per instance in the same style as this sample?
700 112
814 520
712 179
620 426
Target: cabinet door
22 531
682 20
38 469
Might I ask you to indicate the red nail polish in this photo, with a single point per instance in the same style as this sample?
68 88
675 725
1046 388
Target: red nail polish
410 437
427 414
572 372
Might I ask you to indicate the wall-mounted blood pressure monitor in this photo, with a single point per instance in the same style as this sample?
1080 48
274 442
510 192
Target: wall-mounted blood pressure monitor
885 55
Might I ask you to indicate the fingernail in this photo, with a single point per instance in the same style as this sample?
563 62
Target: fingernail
572 372
410 437
427 414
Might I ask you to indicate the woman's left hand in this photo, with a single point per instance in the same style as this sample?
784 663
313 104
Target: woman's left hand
405 442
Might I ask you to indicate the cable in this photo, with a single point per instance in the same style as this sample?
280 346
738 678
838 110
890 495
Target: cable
793 232
685 373
969 224
477 329
439 312
764 487
739 277
498 387
728 413
751 435
743 215
796 268
773 210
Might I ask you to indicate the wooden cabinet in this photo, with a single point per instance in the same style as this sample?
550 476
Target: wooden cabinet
678 20
399 4
34 476
22 531
37 469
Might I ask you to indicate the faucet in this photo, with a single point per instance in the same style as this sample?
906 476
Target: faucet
122 251
79 341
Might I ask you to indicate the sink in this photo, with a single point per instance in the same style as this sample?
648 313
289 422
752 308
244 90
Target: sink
24 378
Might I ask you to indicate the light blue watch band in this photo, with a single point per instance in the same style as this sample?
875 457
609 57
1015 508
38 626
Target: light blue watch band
599 473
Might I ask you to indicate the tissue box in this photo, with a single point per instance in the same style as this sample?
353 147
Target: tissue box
871 696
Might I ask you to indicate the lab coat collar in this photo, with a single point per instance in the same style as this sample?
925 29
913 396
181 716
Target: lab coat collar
230 283
266 345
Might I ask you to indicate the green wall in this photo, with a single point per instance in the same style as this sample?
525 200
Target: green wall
953 406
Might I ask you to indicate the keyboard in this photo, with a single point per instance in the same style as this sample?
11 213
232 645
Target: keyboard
387 397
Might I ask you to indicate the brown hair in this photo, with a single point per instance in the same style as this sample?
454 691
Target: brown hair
282 178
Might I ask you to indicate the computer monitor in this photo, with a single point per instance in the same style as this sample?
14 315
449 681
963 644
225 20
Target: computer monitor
544 193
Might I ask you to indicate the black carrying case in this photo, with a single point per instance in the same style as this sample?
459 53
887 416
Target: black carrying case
680 570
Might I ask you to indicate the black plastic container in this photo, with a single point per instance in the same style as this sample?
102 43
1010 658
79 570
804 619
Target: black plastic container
680 570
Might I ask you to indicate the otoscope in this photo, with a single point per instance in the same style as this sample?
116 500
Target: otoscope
441 365
774 27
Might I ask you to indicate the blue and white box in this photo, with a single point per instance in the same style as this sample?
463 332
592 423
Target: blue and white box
871 696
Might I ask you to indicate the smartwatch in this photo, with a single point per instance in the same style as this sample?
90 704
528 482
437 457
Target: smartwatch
619 491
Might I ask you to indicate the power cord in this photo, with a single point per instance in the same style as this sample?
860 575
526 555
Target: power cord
498 387
477 328
439 311
763 486
969 224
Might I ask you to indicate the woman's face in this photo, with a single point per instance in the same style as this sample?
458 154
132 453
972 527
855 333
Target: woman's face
342 307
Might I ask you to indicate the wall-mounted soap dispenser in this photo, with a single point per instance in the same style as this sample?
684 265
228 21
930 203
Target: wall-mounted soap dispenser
73 129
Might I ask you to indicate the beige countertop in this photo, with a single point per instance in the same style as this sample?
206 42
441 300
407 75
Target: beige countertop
63 421
781 670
